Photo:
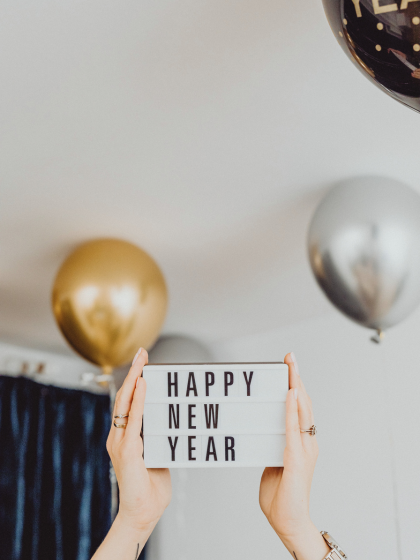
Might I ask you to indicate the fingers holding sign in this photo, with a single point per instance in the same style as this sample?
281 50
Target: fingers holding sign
304 410
285 492
143 493
125 399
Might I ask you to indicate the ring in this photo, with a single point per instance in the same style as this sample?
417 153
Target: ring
121 416
120 425
311 431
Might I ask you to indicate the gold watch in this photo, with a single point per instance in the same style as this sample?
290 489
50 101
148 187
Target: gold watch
336 552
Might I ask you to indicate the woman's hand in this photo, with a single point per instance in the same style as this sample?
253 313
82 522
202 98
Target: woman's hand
144 493
285 491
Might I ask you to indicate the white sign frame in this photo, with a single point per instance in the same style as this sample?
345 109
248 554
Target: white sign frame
215 415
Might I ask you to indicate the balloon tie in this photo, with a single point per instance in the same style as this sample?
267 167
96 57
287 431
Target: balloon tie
378 337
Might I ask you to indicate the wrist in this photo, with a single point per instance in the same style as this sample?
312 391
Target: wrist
294 529
125 539
133 525
305 542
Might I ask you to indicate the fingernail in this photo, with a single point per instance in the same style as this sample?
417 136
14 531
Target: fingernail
137 382
295 393
292 355
136 356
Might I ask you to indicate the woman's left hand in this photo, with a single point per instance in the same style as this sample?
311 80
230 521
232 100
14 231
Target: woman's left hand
284 491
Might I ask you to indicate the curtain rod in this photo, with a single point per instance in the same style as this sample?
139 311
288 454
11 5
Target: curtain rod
51 368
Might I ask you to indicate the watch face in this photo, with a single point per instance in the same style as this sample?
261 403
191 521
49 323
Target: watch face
333 544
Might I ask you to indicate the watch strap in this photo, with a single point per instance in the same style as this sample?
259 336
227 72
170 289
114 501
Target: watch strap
335 553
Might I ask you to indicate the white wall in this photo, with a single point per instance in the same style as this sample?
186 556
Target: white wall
204 131
365 398
366 488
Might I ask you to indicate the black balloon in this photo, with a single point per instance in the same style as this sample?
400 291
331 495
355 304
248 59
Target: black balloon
382 37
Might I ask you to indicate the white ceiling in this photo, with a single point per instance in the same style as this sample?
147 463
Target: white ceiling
204 131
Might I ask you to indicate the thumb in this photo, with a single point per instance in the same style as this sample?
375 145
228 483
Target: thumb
293 439
136 411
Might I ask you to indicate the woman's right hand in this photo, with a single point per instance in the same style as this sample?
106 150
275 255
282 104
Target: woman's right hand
144 493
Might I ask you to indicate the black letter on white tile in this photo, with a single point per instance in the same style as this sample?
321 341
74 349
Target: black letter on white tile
191 385
211 449
229 446
209 376
172 384
174 416
248 383
227 383
211 415
191 448
173 446
191 416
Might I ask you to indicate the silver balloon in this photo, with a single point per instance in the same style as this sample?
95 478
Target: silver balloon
364 249
178 349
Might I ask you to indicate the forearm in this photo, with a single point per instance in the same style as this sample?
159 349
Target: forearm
123 541
306 544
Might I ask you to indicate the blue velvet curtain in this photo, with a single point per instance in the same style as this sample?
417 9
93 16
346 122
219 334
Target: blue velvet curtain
55 496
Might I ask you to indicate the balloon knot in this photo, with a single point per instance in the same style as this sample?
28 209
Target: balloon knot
378 337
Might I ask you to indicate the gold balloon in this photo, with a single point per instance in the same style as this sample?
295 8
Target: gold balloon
109 298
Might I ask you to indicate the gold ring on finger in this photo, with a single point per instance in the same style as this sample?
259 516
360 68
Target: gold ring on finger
120 425
311 431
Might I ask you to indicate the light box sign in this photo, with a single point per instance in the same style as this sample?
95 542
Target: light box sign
215 415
